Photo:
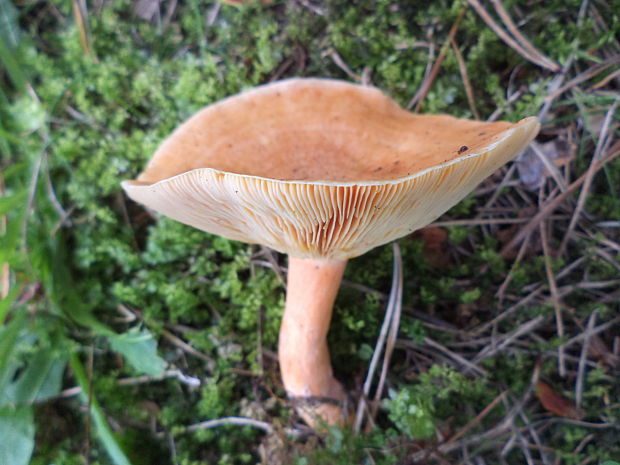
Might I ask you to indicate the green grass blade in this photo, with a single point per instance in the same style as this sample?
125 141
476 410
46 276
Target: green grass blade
8 341
17 435
9 31
11 65
104 432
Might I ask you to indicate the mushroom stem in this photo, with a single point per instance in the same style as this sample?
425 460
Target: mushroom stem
304 356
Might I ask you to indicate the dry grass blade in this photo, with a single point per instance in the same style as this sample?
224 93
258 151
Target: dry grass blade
508 339
589 74
469 91
608 258
554 203
606 80
183 345
601 145
523 41
555 298
460 362
80 12
473 422
509 101
239 421
275 266
550 166
508 279
394 301
137 380
338 61
592 332
535 58
480 222
508 312
582 360
428 82
498 431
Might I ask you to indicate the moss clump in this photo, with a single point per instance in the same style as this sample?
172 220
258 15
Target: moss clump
87 265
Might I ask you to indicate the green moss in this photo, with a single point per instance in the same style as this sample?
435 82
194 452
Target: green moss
99 117
416 409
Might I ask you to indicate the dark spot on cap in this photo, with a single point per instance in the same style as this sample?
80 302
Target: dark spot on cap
379 168
463 148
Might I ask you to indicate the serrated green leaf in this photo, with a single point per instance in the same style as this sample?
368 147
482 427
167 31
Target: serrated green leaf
140 349
17 433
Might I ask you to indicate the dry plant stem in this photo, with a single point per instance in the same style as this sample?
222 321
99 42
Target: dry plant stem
396 300
555 298
551 205
303 352
529 53
469 91
428 82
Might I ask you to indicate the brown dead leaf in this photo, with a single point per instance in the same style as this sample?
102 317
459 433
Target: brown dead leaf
556 404
532 170
598 350
435 245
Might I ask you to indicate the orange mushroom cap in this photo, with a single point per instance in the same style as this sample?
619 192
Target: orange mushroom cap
320 168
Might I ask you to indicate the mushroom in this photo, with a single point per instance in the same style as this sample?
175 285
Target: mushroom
321 170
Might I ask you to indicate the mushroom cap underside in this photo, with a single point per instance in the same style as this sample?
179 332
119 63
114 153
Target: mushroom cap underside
320 168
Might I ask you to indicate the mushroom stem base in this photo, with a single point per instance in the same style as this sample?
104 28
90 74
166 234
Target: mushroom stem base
304 356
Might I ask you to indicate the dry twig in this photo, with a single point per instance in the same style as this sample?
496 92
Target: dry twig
582 360
239 421
391 319
557 305
428 81
469 91
396 300
595 164
525 49
554 203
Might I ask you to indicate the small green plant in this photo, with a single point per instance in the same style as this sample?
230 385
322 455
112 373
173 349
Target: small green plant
416 409
411 413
